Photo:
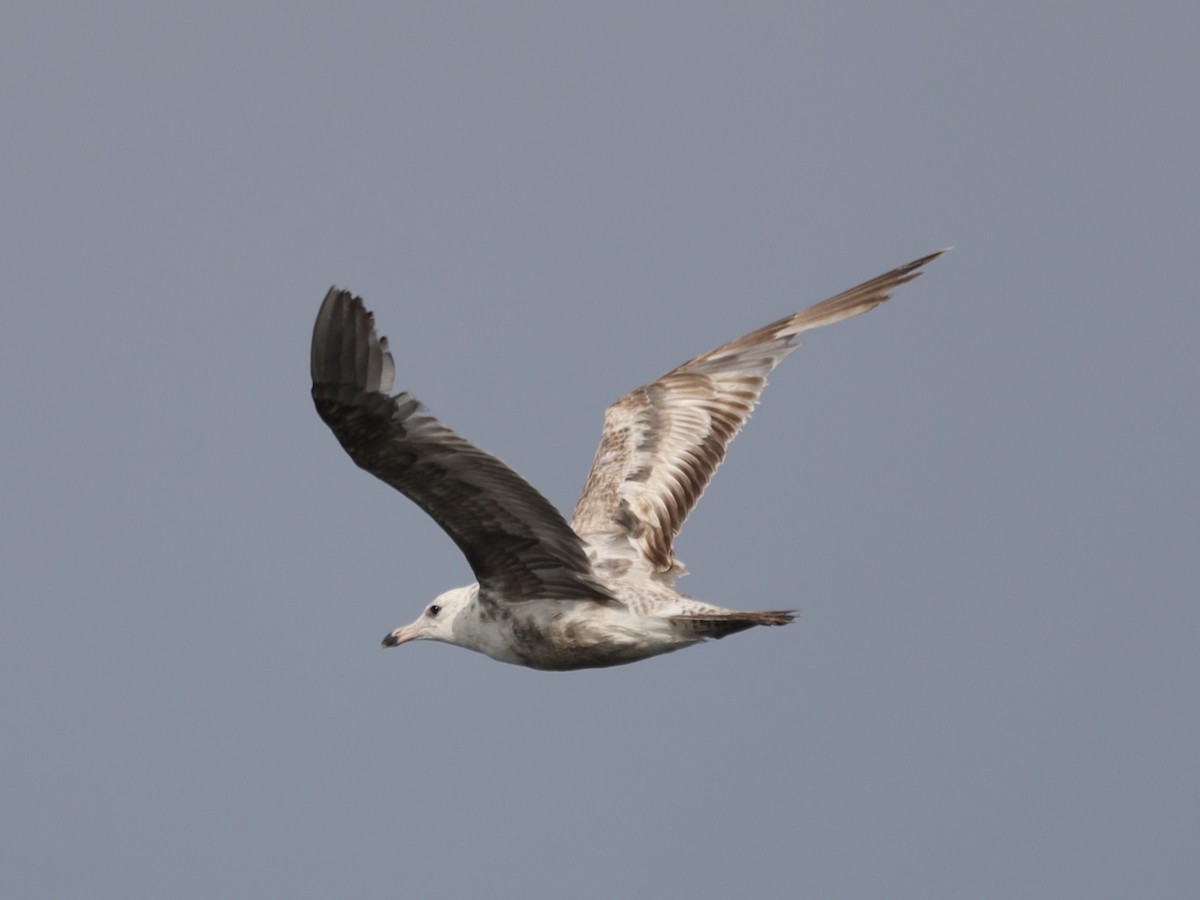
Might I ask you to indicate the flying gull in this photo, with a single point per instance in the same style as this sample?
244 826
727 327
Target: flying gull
598 591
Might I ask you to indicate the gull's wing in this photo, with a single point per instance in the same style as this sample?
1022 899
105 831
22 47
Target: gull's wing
662 442
518 545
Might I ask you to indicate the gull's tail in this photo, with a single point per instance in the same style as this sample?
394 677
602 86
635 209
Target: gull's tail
718 625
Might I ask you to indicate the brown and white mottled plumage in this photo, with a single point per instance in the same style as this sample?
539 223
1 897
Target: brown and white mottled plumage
549 595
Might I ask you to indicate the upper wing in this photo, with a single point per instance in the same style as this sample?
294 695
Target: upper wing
662 442
518 545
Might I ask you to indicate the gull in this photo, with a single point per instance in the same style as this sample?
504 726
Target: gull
599 590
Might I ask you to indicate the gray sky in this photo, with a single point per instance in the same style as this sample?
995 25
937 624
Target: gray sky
982 496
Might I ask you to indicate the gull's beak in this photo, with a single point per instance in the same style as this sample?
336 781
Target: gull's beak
400 636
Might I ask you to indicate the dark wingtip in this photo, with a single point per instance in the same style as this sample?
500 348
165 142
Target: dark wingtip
346 351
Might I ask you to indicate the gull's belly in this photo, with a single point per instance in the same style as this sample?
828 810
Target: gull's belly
581 636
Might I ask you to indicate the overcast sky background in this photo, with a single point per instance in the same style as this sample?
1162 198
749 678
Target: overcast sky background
982 496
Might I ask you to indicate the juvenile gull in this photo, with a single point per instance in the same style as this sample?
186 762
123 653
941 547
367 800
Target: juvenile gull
600 590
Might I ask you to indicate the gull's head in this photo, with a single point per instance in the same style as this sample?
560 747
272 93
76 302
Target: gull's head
436 622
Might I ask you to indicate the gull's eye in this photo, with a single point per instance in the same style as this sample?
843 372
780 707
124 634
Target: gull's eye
434 610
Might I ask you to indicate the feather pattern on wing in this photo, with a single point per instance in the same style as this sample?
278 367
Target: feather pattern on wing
516 542
662 442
